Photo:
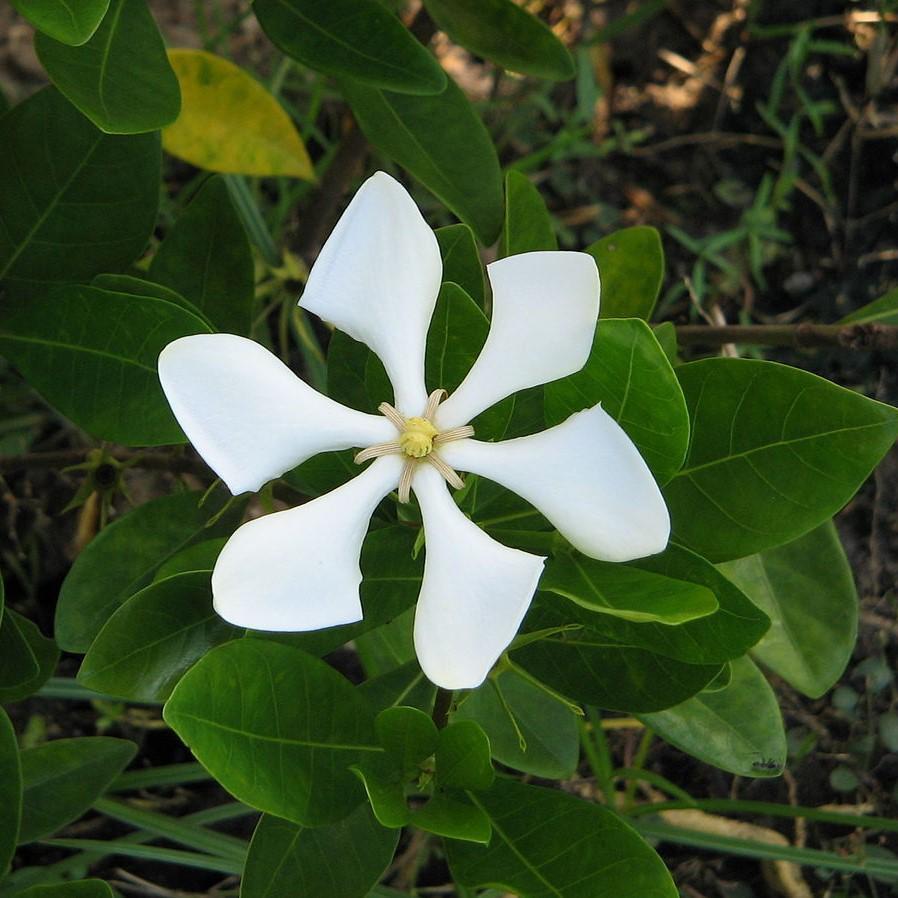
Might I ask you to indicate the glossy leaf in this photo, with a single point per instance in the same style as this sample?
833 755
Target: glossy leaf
505 33
63 778
807 589
56 169
356 38
527 226
442 142
453 815
123 557
631 267
43 650
134 286
407 735
461 260
10 792
738 728
405 685
196 557
120 78
277 728
881 311
92 354
626 592
72 23
463 757
527 728
591 667
775 452
547 843
206 258
150 641
86 888
628 372
286 859
230 123
18 663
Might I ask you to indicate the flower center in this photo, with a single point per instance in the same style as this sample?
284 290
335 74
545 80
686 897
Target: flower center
418 441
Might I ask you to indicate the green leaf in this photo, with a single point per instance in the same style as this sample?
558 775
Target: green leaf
72 23
626 592
738 728
150 641
134 286
355 38
385 790
230 123
442 142
92 354
43 650
405 685
502 31
206 257
461 260
62 779
453 815
196 557
18 663
74 201
277 728
463 757
123 557
775 452
807 589
547 843
388 646
407 735
628 372
86 888
881 311
594 668
120 78
10 792
528 729
631 266
528 225
286 859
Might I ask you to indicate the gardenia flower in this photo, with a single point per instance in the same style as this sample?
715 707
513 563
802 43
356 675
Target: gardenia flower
377 279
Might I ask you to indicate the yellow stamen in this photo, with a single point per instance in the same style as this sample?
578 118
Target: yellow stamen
416 440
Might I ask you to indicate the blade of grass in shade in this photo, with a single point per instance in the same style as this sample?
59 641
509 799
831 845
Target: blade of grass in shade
809 857
771 809
190 835
656 780
169 775
150 852
252 219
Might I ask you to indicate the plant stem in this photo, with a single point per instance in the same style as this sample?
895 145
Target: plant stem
441 707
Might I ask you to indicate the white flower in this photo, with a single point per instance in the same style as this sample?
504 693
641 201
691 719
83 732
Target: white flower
251 419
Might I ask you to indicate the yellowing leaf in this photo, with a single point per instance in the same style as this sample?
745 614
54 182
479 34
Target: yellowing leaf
230 123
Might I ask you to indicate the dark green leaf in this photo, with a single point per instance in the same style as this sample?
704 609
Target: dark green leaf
547 843
738 728
356 38
463 757
881 311
807 589
443 143
453 815
391 645
86 888
528 225
385 790
10 792
775 452
405 685
502 31
628 372
342 860
461 259
73 201
62 779
92 354
206 257
42 649
510 709
277 728
133 286
18 663
123 558
407 735
120 78
626 592
72 23
151 640
631 266
196 557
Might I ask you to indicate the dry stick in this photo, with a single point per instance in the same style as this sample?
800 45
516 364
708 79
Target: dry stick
859 337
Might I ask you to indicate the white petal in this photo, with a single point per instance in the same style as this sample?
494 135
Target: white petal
249 416
377 279
545 308
299 569
586 477
474 594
